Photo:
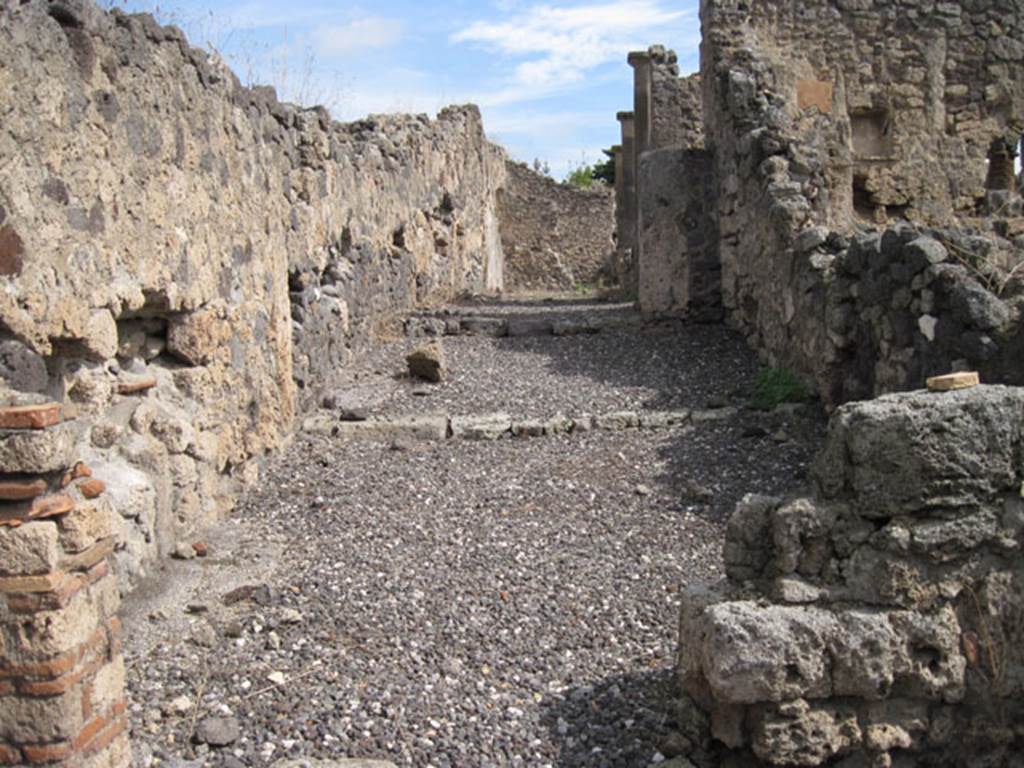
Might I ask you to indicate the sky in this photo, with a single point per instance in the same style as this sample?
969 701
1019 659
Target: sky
549 77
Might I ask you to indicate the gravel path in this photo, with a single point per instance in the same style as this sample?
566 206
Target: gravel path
662 366
508 603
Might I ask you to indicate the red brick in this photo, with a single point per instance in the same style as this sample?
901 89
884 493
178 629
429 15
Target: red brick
133 387
92 488
6 689
21 490
80 470
105 737
59 686
47 753
60 665
9 755
30 416
51 506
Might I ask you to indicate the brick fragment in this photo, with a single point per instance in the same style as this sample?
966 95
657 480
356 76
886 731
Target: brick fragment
77 472
30 416
92 488
46 583
47 753
135 386
50 506
21 490
9 755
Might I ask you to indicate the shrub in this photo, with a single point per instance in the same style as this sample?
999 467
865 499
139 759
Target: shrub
775 386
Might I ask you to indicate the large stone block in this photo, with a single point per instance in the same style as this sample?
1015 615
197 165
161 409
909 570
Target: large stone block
29 550
38 451
913 452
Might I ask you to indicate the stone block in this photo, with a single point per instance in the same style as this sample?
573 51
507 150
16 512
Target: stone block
488 427
38 452
799 733
617 421
752 654
30 416
529 327
484 326
908 453
26 720
663 419
427 362
815 93
29 550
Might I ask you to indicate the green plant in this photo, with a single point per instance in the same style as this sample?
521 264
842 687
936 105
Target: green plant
581 176
775 386
605 171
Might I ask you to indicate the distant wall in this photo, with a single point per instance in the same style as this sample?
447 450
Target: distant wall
184 262
554 236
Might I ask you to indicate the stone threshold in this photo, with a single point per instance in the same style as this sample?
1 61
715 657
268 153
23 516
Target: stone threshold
421 326
495 426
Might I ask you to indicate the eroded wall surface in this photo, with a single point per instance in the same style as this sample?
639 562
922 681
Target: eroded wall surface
184 261
832 117
555 237
876 620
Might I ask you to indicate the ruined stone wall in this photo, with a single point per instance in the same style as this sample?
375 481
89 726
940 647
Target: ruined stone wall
801 109
555 237
185 261
679 270
879 619
677 110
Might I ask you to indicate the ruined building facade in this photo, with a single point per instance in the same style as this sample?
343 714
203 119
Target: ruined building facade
830 137
845 181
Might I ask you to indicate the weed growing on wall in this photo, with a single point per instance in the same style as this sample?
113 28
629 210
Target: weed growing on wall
775 386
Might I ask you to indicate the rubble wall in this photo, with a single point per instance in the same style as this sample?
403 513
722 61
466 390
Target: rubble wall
555 237
819 132
877 619
185 261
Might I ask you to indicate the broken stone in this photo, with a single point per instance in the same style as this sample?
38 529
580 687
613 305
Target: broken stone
427 362
489 427
217 731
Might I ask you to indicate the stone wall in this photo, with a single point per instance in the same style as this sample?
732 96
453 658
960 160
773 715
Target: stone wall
670 202
878 620
817 131
555 237
679 266
185 261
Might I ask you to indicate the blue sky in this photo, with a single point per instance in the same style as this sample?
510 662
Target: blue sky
549 76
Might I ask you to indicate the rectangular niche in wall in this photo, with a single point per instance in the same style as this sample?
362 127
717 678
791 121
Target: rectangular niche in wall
871 130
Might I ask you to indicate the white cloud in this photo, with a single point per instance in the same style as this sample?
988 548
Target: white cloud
561 45
357 35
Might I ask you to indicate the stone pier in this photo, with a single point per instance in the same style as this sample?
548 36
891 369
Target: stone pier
62 693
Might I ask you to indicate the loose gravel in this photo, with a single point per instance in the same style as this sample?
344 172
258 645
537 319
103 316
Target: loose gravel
661 366
506 603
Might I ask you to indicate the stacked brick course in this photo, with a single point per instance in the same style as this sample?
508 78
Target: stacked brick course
62 698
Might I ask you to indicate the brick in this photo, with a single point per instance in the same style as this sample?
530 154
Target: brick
92 488
953 381
51 506
83 561
132 387
105 737
77 472
60 686
29 550
6 689
48 753
9 755
30 416
115 635
46 583
21 490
